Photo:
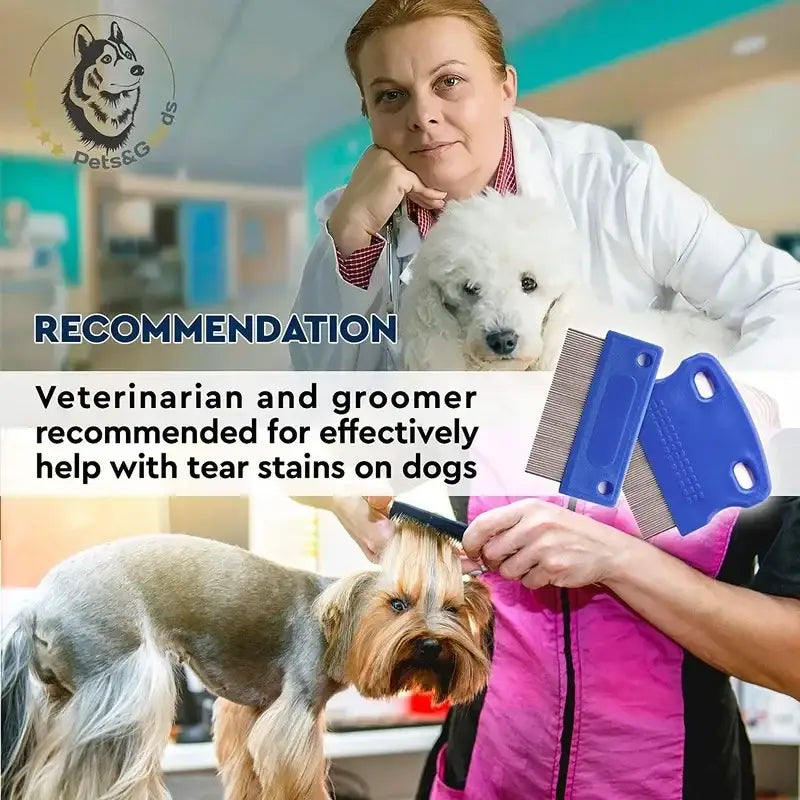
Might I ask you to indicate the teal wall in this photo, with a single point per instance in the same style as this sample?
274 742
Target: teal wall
591 37
52 187
607 31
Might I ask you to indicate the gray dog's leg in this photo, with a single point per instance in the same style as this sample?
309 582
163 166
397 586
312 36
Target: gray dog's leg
286 744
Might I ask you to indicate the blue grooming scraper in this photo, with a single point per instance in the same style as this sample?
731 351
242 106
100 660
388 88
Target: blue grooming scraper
609 425
698 451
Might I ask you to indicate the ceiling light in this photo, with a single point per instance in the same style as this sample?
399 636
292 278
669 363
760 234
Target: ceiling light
749 45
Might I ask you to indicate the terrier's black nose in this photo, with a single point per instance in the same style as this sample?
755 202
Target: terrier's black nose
502 342
428 648
137 70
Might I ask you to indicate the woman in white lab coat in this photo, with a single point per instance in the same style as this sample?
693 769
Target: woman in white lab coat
440 100
443 133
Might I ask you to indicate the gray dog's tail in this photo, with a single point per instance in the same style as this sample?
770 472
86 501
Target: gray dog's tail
21 704
105 740
102 740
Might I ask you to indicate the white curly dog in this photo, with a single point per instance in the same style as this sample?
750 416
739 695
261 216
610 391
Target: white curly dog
497 283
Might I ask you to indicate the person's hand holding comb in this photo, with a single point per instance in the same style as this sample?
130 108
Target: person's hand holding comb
540 543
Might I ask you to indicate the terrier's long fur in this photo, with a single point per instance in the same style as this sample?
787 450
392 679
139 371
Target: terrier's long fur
88 686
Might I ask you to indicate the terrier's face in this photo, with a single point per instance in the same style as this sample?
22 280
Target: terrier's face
416 624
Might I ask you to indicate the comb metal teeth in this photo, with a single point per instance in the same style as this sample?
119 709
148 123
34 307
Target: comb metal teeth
565 401
563 407
644 496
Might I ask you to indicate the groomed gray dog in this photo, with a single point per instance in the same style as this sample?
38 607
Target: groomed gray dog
88 691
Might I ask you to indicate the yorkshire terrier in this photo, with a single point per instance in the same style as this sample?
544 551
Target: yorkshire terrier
88 689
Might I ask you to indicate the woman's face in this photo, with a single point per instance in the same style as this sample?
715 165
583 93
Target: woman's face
435 101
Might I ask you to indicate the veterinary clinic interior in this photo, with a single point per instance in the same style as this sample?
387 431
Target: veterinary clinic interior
217 215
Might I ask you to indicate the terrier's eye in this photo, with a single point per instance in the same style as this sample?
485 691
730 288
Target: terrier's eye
399 605
528 283
472 288
451 610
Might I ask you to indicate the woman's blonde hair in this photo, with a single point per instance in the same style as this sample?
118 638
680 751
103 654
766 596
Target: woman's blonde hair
383 14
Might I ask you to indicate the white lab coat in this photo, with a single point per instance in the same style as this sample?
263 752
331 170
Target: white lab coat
648 241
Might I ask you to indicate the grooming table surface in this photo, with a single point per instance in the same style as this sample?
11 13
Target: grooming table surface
352 744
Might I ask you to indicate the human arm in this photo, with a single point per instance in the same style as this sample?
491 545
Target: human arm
345 273
323 290
364 519
725 271
742 632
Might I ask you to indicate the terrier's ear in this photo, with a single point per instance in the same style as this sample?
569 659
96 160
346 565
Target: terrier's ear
338 604
478 603
338 610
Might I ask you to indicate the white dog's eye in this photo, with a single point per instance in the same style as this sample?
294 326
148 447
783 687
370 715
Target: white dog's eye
528 283
472 288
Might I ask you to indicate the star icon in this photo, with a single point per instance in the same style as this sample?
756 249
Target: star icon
44 137
160 133
58 150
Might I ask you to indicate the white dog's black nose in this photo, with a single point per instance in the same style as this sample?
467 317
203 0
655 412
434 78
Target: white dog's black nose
428 648
137 70
502 342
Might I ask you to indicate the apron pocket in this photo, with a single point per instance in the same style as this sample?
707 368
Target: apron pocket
440 790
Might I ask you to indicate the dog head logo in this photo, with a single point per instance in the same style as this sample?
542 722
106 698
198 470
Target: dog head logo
108 103
102 94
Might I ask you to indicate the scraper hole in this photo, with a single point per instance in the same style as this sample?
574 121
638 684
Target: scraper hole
704 386
743 476
644 359
604 487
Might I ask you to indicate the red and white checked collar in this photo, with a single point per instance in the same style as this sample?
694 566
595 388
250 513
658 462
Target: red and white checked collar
505 182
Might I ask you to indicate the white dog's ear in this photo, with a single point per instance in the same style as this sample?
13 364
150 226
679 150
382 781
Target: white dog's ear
431 336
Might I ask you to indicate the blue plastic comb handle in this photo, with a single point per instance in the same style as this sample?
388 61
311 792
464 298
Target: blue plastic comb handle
693 443
610 420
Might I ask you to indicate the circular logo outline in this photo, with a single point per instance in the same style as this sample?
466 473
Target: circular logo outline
34 118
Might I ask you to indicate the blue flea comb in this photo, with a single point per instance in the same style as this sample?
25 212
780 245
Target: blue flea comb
593 413
679 456
698 451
